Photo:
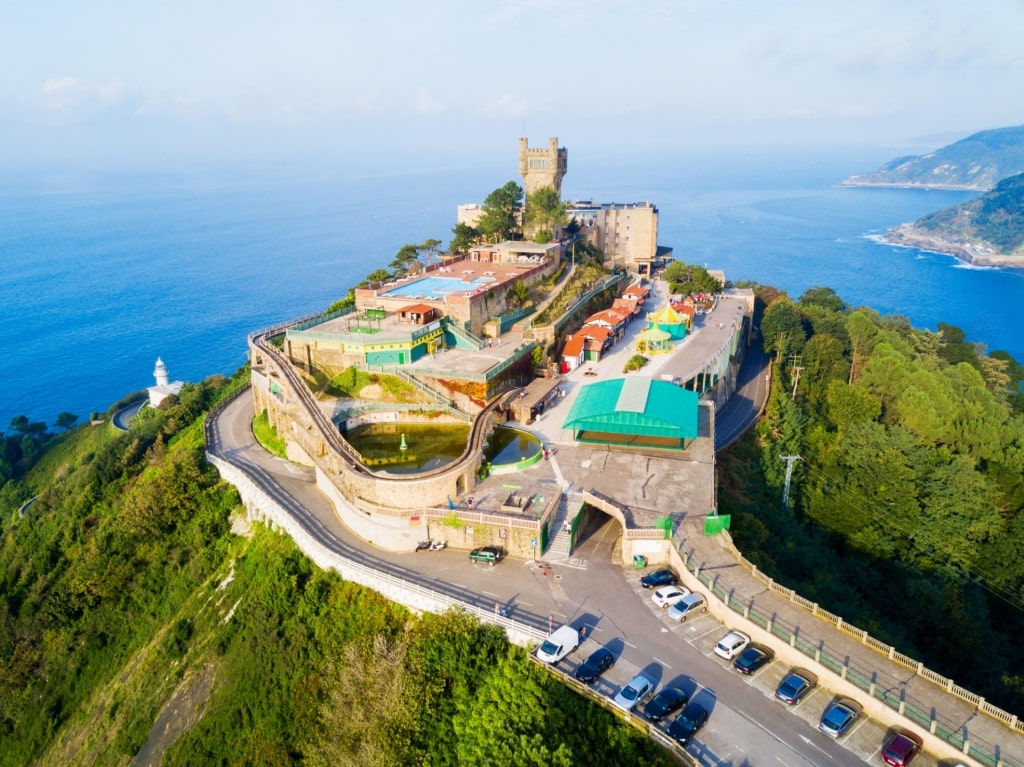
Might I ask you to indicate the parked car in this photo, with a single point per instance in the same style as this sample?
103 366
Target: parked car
795 685
599 661
839 716
668 595
731 645
639 687
900 748
687 606
489 555
751 659
559 643
664 703
685 726
658 578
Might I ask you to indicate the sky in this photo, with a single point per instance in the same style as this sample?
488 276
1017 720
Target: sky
147 83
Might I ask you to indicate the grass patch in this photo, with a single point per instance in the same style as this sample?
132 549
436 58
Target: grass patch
267 435
351 382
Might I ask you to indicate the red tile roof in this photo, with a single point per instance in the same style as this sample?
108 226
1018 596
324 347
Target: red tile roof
573 346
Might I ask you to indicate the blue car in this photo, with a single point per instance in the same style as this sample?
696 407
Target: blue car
795 685
839 716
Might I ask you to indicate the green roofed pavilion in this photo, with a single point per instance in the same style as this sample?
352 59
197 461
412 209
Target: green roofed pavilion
634 411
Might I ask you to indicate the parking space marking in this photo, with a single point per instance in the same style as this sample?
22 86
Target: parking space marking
659 660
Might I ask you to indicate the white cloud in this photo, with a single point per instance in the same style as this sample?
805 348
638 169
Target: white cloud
507 105
426 104
113 92
61 93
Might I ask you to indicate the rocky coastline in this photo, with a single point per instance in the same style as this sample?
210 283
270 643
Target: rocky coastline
976 255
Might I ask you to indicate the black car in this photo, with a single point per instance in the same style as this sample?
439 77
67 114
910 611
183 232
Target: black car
685 726
751 659
659 578
664 703
599 661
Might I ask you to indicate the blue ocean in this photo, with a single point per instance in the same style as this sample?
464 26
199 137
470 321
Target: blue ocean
102 274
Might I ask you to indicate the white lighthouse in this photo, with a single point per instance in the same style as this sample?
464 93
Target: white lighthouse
164 387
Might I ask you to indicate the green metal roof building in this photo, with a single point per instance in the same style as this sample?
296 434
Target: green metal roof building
641 412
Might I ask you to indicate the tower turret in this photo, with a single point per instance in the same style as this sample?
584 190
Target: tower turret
160 373
542 167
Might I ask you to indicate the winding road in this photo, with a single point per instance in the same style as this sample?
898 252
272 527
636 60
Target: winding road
747 728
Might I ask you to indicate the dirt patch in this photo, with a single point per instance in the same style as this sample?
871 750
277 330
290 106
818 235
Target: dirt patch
372 391
178 715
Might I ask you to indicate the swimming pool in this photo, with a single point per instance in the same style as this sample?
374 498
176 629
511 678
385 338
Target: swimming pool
438 287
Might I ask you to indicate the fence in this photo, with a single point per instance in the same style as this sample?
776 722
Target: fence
628 717
927 719
404 591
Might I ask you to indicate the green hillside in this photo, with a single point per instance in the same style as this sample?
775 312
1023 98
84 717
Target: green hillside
977 162
142 617
995 220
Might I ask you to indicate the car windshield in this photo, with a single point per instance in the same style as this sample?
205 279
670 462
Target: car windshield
549 647
629 693
750 657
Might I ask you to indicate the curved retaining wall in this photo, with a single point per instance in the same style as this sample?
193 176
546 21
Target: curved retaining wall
261 507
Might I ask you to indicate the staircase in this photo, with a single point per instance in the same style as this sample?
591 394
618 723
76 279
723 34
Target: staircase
463 338
561 540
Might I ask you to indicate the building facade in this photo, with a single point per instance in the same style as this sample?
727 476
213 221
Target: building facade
627 233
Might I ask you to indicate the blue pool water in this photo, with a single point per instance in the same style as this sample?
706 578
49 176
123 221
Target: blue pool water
437 287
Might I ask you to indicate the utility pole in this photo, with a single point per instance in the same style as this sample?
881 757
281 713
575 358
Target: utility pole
789 459
797 368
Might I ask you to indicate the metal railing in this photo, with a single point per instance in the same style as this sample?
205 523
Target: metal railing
950 732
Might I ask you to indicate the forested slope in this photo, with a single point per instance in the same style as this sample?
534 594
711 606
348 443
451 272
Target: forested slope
906 512
134 623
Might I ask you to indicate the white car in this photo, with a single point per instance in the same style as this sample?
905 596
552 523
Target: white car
638 689
559 643
668 595
732 644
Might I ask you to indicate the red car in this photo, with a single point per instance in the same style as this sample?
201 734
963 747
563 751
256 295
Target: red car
900 748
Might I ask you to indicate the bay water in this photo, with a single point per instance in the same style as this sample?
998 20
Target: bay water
100 274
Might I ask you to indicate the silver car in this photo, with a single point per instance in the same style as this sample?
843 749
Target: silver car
687 606
637 690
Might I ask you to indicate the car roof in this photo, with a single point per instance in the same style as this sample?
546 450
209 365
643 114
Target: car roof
563 633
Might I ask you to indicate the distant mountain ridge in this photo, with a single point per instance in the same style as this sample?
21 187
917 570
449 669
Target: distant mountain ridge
986 231
977 162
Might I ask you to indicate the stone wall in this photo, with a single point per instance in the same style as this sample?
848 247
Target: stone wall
261 507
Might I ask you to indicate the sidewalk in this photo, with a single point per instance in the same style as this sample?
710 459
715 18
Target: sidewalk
922 700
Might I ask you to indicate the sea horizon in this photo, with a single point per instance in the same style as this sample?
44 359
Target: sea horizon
105 273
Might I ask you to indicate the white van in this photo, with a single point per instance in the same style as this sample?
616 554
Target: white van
559 643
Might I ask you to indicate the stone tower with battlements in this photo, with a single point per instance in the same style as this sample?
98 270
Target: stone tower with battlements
542 167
